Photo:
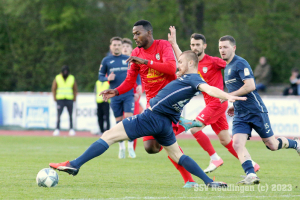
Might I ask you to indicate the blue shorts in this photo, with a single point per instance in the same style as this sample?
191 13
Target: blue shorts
150 124
121 105
259 122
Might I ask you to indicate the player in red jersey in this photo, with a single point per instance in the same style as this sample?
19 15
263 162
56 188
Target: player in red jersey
155 62
210 69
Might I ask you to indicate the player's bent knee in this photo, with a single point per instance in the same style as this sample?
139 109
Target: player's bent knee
271 147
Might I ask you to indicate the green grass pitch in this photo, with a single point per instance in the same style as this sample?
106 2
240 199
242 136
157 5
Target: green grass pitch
146 177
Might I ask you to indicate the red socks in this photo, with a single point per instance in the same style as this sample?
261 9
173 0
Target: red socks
179 130
134 144
204 142
231 149
184 173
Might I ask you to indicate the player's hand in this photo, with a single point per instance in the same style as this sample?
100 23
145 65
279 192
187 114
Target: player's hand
139 90
111 76
178 74
230 111
172 35
107 94
223 100
137 60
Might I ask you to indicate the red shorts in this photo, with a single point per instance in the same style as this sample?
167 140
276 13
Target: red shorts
175 128
214 116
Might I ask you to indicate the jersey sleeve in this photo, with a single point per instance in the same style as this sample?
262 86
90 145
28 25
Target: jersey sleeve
195 82
244 70
130 81
219 63
102 71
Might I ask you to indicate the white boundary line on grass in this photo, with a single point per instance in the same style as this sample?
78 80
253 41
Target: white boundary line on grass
211 197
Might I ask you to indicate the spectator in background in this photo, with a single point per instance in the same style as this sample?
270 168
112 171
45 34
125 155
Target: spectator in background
294 89
102 106
262 74
64 90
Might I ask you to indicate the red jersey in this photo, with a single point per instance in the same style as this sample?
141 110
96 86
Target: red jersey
159 71
209 69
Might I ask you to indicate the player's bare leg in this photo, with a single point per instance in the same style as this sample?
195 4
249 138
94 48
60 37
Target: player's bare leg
282 143
131 152
190 165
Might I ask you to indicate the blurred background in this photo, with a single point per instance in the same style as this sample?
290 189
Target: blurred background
38 37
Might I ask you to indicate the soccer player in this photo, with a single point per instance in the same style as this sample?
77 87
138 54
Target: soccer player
250 114
156 121
137 90
115 67
155 62
210 69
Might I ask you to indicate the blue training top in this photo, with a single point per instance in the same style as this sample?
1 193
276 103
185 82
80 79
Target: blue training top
174 96
235 73
119 66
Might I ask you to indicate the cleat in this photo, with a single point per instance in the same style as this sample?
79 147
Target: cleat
65 167
188 124
131 153
72 132
122 153
255 166
190 185
250 179
56 132
298 145
213 165
216 185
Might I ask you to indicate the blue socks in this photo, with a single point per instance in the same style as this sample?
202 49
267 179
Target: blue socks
96 149
191 166
248 167
292 144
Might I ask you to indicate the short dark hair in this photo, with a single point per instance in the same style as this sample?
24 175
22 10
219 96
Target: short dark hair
198 36
115 38
146 25
228 38
65 67
295 70
127 41
191 56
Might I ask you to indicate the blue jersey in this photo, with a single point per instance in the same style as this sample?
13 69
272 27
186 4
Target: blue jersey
118 65
235 73
174 96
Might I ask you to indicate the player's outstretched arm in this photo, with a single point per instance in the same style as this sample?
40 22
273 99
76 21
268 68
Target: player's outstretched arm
216 92
107 94
172 40
249 86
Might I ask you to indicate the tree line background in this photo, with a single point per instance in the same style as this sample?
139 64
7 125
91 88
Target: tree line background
38 37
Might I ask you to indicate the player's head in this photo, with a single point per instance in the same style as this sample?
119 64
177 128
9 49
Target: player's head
295 71
198 43
65 70
116 46
262 60
227 47
127 46
188 62
142 33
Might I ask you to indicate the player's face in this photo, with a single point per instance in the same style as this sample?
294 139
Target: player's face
182 65
127 49
227 51
116 47
197 46
140 36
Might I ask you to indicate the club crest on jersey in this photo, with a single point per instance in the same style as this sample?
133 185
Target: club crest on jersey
204 69
229 71
157 56
124 62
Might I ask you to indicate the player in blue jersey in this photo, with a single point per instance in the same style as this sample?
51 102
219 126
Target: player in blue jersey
250 114
115 67
156 121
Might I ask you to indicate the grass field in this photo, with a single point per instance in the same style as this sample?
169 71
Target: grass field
146 177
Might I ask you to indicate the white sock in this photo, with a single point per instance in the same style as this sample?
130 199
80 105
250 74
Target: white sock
130 144
189 131
122 145
215 156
